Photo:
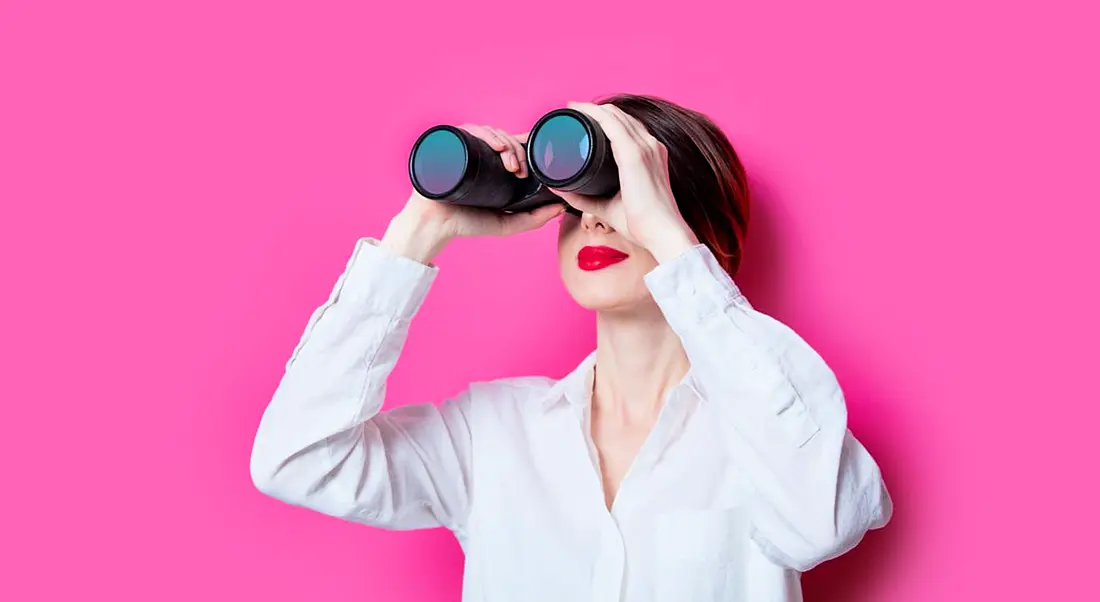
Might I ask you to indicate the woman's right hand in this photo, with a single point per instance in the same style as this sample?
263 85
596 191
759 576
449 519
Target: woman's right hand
424 226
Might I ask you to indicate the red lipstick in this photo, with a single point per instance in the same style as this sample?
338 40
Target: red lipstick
598 258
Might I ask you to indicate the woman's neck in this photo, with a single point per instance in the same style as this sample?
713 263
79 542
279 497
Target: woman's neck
639 358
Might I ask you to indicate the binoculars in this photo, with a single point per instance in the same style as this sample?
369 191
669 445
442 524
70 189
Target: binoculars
565 149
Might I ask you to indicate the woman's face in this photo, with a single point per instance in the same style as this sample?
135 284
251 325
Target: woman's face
600 268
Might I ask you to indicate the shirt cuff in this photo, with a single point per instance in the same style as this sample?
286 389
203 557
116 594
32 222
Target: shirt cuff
691 287
385 280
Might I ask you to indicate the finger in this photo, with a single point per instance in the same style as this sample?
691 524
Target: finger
649 144
517 154
517 150
521 153
522 138
583 203
508 153
641 133
482 133
618 114
514 223
624 145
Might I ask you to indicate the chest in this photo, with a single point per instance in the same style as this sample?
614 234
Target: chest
564 464
616 449
668 508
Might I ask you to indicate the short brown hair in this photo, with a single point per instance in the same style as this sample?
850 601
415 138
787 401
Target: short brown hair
707 177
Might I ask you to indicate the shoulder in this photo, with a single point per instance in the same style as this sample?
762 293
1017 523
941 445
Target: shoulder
504 414
518 391
509 401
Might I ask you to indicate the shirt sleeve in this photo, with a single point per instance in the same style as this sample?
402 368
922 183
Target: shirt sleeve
323 442
816 489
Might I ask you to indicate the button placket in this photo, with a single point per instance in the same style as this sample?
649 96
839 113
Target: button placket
612 562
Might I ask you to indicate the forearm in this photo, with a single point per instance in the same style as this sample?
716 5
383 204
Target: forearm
335 381
816 490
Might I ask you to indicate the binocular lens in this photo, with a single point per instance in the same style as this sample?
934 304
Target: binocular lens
561 147
569 151
439 162
451 165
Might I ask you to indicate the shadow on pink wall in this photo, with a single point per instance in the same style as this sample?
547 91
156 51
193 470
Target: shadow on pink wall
873 412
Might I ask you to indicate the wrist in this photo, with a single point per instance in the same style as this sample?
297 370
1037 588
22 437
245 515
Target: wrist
416 236
670 242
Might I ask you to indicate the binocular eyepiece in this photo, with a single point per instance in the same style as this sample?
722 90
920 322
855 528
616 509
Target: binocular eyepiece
566 149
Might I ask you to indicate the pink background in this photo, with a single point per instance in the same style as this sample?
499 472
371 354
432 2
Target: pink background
182 182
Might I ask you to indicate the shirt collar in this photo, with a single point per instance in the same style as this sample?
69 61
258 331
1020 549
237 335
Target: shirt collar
576 387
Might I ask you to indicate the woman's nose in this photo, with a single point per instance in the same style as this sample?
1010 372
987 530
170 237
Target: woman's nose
591 222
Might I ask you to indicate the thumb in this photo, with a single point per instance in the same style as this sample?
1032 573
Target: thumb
514 223
583 203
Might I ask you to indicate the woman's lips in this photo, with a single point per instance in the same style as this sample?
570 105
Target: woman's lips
598 258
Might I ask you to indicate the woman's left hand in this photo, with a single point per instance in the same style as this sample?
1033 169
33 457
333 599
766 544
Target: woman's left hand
644 210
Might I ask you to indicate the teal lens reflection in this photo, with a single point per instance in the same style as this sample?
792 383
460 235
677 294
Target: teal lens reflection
440 162
560 147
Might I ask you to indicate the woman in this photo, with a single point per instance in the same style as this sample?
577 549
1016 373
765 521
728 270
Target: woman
699 453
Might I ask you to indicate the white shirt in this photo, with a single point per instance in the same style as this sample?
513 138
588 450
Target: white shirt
749 477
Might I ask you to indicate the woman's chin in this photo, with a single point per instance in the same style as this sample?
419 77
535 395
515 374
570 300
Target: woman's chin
606 298
616 287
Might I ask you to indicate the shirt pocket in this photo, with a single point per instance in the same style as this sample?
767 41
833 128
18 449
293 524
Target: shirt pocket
700 555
